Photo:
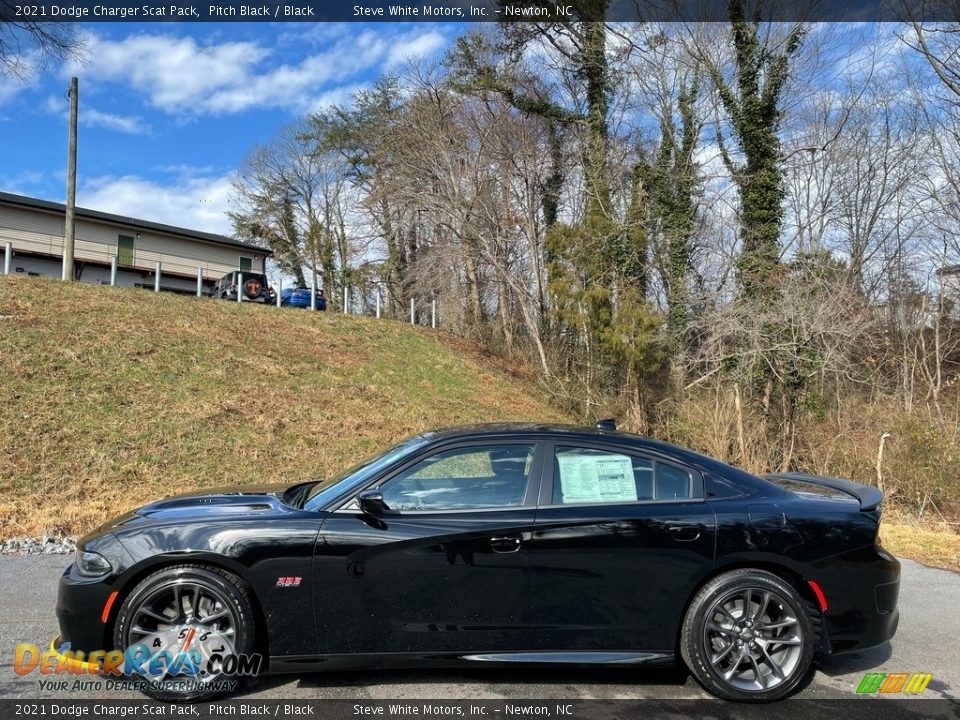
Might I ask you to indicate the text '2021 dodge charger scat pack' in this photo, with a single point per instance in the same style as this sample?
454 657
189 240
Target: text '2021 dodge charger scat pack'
490 545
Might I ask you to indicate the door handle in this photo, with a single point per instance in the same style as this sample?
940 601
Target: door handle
505 543
686 532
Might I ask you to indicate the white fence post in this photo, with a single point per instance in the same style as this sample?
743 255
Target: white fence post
239 287
313 292
412 315
345 294
433 314
279 290
7 255
199 281
378 302
113 271
156 278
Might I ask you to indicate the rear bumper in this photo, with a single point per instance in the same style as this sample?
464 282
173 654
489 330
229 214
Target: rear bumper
862 589
303 304
232 296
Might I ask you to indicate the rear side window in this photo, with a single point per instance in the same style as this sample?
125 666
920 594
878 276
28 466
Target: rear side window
589 475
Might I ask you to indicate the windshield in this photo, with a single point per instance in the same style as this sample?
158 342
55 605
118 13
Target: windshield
323 493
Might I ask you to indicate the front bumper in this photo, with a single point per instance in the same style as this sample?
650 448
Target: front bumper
75 666
80 603
862 588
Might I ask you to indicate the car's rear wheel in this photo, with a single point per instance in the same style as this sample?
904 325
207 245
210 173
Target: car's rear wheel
748 636
181 624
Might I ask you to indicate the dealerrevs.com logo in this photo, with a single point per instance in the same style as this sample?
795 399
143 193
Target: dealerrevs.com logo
894 683
183 659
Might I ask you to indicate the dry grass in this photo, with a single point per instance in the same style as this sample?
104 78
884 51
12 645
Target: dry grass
111 397
932 544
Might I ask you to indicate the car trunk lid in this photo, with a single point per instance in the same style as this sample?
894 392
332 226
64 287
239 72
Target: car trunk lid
868 497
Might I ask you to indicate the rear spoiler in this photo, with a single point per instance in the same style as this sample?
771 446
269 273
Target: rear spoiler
868 496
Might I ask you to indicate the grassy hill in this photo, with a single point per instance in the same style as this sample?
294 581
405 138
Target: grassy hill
110 397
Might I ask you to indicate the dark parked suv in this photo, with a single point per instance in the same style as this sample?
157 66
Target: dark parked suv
255 288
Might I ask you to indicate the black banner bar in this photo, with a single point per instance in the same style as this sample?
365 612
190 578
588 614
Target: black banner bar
472 10
856 708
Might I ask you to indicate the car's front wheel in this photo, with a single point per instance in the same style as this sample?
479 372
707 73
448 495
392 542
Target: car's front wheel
748 636
189 631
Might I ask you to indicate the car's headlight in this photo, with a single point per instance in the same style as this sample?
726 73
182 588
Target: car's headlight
91 564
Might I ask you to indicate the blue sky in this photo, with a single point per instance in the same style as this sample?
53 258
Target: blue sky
169 111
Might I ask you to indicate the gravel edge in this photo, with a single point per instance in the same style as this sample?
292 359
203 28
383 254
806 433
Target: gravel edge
45 545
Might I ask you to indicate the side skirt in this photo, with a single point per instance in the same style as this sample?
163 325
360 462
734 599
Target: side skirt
317 663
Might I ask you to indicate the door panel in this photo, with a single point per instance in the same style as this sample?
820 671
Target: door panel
615 576
428 583
447 568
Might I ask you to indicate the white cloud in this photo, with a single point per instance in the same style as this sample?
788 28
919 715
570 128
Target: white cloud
415 46
338 96
21 182
91 117
128 124
9 89
179 76
195 202
26 76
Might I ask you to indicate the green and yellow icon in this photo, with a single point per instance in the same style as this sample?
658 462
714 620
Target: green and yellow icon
892 683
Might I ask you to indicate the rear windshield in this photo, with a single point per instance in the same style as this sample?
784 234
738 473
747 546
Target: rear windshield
809 489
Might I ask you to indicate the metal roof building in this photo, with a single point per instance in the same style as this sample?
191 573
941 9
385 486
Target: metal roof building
34 230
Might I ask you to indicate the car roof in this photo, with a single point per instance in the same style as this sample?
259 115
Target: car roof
502 428
594 434
581 432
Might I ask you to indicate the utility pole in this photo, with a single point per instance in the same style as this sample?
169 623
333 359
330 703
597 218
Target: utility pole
69 226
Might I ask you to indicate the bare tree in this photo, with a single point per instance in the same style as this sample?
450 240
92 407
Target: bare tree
27 43
291 194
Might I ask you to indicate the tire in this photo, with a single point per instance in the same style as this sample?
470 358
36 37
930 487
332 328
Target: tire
223 593
754 608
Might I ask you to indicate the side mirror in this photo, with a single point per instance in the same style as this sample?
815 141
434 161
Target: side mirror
371 503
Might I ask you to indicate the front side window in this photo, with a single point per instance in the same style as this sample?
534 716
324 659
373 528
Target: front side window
463 479
589 475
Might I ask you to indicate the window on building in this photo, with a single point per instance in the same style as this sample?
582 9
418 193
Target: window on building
125 250
246 264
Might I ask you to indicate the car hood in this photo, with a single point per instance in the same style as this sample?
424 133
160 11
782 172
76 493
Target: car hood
208 504
249 498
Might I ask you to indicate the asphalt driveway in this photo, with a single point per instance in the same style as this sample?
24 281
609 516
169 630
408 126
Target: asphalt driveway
927 641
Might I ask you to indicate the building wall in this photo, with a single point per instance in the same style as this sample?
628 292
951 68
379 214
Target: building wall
35 231
52 267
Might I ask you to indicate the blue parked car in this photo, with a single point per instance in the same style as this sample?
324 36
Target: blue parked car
300 298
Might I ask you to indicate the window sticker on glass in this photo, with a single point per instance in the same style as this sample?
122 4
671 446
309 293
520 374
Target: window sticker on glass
596 478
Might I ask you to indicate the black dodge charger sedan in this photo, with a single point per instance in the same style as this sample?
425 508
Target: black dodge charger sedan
493 545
